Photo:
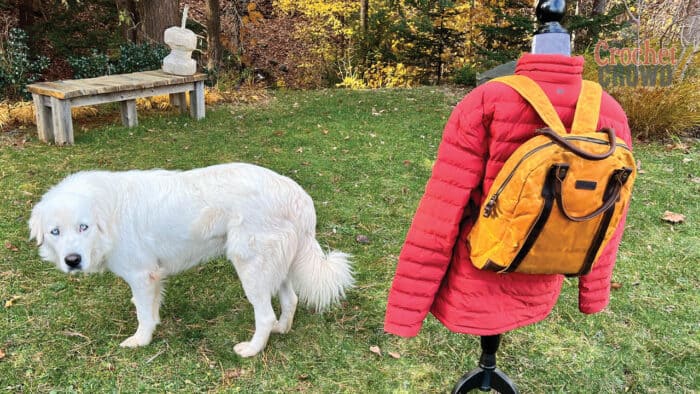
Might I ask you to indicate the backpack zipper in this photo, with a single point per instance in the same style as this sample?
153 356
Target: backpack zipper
488 208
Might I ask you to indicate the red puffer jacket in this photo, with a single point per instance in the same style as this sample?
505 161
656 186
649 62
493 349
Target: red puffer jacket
434 272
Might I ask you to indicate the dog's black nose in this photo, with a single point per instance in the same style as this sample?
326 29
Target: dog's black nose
73 260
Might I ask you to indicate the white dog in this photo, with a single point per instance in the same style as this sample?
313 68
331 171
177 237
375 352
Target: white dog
146 225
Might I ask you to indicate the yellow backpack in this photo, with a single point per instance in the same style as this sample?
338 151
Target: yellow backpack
559 197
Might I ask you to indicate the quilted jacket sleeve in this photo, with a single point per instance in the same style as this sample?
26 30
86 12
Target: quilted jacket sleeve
427 250
594 288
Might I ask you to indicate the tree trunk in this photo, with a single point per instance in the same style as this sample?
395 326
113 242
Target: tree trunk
690 37
235 34
364 12
156 16
128 19
27 13
690 34
213 35
599 7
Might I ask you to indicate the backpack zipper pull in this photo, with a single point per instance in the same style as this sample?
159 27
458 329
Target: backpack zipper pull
489 205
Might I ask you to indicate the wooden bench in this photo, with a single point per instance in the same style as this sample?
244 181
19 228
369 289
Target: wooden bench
53 100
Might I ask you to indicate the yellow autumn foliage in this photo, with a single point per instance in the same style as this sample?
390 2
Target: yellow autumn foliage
22 113
4 114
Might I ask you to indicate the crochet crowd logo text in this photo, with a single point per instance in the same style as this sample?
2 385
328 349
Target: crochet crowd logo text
644 65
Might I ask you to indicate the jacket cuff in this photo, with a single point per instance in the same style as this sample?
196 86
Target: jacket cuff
591 306
402 331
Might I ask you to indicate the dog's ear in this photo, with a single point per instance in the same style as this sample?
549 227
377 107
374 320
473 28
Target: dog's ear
36 225
104 220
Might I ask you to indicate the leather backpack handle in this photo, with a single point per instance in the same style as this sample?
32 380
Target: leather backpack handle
610 197
554 136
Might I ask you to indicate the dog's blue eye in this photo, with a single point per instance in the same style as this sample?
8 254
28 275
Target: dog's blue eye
55 232
83 227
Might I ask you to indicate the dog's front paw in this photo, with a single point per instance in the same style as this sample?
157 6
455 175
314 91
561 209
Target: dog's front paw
246 349
281 327
135 341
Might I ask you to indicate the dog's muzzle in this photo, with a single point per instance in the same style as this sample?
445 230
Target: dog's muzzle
73 261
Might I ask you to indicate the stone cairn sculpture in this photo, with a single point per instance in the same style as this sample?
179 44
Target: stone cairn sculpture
182 42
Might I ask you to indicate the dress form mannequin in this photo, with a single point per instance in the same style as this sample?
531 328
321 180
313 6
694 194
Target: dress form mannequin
550 38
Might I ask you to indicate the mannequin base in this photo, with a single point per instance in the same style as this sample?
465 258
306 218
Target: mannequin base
486 376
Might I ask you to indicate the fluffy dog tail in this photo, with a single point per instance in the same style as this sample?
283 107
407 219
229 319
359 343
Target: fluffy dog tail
320 279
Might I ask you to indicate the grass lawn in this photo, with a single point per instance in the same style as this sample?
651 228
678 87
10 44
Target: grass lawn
364 157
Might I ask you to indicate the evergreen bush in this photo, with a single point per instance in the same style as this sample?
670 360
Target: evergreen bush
465 75
95 65
17 68
132 58
139 57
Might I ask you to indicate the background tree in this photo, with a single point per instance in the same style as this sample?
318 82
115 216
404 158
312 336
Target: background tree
155 16
433 39
129 19
213 35
590 21
508 34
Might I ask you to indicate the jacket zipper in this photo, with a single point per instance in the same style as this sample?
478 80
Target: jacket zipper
488 208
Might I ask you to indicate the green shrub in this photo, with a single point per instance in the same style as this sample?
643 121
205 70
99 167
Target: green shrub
132 58
465 75
659 112
95 65
139 57
17 68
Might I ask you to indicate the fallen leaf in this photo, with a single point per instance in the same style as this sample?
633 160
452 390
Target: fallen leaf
673 217
694 179
375 349
300 150
687 160
69 333
406 163
2 354
363 239
11 301
616 285
677 146
9 246
395 355
234 373
375 112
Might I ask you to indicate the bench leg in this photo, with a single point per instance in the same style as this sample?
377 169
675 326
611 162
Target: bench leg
43 118
179 101
128 110
197 101
61 121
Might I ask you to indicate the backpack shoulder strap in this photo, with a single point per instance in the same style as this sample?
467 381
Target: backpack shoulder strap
533 94
587 108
